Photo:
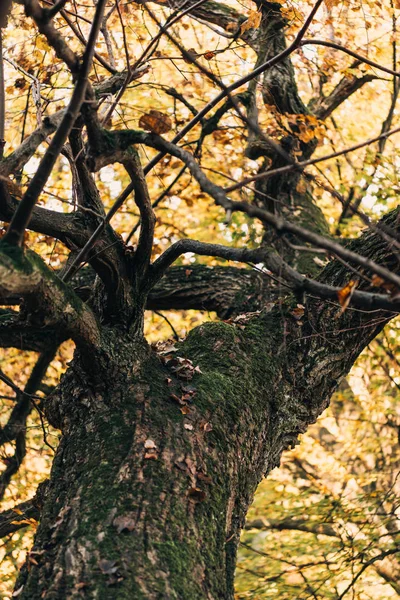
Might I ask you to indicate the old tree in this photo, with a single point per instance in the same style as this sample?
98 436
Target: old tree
261 119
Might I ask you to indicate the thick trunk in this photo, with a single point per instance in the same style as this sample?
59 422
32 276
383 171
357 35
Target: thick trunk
140 504
155 470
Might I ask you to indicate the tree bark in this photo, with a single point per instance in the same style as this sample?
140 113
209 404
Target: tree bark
226 290
158 462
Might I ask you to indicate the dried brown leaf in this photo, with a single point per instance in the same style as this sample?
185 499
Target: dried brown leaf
123 522
197 494
156 122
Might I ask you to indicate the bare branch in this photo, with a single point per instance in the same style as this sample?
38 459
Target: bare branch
273 262
147 217
15 429
16 423
82 40
19 516
49 222
293 525
324 106
368 563
21 218
56 8
17 159
55 39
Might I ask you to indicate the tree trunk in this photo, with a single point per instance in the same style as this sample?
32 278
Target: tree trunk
158 462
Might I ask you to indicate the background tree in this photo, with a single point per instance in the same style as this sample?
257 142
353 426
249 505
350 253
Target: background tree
162 447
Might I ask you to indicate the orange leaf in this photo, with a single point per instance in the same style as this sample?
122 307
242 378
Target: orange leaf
298 312
377 281
344 295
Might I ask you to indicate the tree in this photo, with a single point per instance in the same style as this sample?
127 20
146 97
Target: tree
162 448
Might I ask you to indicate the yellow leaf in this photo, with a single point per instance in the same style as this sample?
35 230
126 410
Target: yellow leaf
41 43
253 22
306 135
301 187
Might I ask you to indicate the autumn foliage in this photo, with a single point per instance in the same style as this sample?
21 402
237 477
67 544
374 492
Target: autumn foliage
220 162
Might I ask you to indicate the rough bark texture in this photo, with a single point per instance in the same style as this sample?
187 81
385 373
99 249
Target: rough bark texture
140 503
226 290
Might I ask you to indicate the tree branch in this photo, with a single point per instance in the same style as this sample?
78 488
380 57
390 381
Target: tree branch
48 299
16 423
18 517
15 161
273 262
56 8
122 140
323 107
15 429
21 218
55 39
147 217
289 524
225 290
17 333
66 228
